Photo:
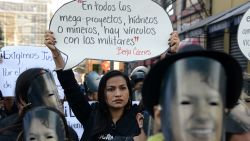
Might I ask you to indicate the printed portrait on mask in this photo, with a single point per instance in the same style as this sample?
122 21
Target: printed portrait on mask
42 124
192 100
43 91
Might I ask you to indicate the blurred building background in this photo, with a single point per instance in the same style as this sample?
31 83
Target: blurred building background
211 23
214 24
24 22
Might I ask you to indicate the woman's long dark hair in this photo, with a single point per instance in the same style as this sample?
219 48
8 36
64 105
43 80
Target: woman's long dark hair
103 114
24 81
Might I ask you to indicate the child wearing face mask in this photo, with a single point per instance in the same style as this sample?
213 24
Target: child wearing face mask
187 93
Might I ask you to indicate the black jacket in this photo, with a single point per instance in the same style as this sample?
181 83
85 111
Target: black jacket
10 127
89 116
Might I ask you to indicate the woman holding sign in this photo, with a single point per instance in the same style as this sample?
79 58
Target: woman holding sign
107 119
113 117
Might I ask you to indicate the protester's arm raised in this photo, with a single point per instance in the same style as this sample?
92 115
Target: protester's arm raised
77 102
173 43
50 42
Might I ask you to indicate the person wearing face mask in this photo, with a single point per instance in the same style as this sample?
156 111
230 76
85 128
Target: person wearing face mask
44 123
187 94
34 87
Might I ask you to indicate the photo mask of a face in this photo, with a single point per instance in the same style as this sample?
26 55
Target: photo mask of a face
43 91
43 124
192 100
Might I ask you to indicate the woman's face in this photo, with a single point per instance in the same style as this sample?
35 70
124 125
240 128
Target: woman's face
39 132
117 93
196 111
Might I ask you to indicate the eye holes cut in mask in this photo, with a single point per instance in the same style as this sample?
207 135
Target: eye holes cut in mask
43 92
44 124
192 99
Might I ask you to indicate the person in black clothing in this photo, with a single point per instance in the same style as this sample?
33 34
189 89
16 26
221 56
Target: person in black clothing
113 117
34 87
108 119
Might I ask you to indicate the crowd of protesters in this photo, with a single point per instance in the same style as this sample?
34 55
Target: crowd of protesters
189 94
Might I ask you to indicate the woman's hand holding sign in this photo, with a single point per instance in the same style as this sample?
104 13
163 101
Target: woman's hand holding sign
50 42
174 42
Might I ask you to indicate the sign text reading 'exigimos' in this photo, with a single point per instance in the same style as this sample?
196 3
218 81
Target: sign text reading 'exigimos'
17 59
125 30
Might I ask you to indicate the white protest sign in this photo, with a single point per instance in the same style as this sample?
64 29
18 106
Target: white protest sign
16 59
72 120
244 35
126 30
